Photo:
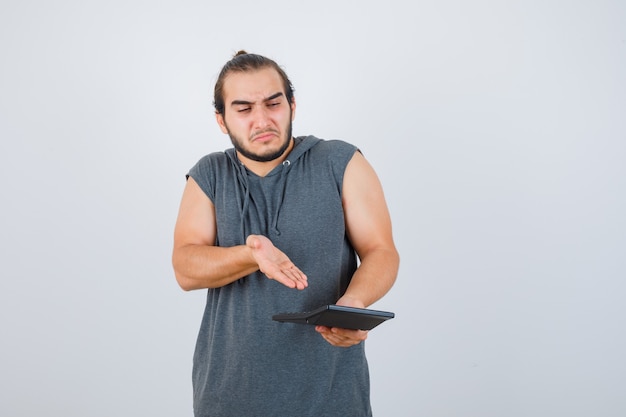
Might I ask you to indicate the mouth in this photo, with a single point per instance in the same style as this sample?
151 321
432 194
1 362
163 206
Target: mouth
264 136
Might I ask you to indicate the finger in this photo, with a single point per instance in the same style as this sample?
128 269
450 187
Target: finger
253 242
341 342
332 339
343 337
297 277
289 280
347 332
358 335
295 272
336 339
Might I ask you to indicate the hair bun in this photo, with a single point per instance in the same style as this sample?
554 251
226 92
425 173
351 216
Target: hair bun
240 52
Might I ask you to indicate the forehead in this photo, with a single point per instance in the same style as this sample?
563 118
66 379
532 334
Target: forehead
252 85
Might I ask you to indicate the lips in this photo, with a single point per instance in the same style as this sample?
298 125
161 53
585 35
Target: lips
264 136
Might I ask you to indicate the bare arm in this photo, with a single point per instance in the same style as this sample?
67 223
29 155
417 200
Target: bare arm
369 228
368 225
198 263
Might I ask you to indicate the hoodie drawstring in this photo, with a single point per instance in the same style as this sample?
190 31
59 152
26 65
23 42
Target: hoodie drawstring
246 200
281 195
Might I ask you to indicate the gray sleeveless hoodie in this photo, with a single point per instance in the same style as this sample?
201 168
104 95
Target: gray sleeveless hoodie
245 364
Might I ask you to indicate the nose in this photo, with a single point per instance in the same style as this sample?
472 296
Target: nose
260 117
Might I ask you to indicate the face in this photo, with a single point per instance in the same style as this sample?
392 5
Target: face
257 115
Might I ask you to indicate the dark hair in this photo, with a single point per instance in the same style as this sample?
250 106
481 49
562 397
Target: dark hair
244 62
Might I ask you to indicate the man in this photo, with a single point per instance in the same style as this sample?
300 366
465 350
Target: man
279 224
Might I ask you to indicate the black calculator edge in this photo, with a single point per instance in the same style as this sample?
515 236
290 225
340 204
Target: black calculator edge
303 317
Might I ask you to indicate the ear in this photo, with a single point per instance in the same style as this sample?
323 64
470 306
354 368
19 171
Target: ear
220 121
293 108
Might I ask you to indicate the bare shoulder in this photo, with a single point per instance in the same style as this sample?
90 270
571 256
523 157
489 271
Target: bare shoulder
196 217
360 180
367 216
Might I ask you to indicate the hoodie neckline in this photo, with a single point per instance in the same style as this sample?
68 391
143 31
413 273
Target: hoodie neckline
300 146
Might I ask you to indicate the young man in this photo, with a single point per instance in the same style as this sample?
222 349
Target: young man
279 224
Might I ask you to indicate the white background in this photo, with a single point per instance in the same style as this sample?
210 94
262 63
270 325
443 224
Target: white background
498 130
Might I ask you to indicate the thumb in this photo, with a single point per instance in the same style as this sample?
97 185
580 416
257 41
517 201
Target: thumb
253 242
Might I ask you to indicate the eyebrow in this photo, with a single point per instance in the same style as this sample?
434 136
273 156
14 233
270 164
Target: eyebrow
244 102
